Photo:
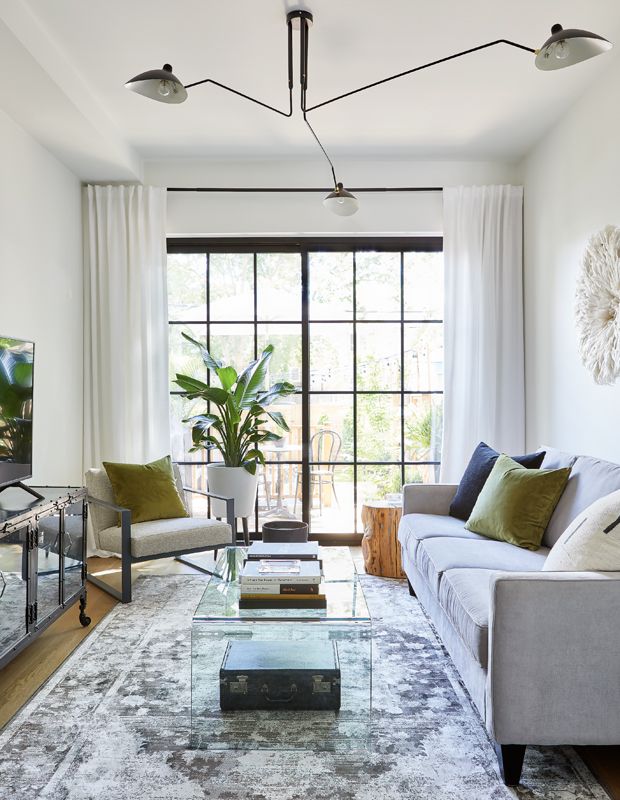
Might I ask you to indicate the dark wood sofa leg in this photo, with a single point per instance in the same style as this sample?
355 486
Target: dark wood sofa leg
411 589
510 758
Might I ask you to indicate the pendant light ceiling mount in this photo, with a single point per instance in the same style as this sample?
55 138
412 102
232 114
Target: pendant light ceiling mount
562 49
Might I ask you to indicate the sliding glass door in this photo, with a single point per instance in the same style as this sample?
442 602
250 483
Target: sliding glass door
356 327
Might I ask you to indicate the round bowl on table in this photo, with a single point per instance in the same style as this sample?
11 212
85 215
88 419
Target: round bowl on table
284 530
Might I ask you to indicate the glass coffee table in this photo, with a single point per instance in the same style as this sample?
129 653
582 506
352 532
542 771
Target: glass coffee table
346 622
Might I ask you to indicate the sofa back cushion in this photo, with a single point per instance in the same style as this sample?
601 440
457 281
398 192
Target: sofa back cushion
590 479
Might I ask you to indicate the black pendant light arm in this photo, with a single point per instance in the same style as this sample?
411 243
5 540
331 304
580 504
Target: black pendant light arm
303 80
288 113
318 141
421 67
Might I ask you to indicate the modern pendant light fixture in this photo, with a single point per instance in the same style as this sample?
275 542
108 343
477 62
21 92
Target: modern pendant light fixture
567 47
159 84
341 202
563 48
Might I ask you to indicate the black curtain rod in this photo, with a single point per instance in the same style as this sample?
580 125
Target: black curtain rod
262 189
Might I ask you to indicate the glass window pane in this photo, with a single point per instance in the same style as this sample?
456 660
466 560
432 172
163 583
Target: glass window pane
279 286
423 427
331 427
422 473
187 286
331 357
378 285
289 448
332 508
232 344
184 357
424 357
378 356
180 432
285 363
280 482
423 285
375 482
231 286
378 427
195 476
331 285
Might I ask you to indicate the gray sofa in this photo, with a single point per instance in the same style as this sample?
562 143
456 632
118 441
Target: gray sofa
539 652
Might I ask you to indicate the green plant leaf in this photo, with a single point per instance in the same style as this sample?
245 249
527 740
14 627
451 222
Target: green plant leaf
203 421
274 393
210 362
268 436
189 384
257 378
227 376
277 417
250 466
255 453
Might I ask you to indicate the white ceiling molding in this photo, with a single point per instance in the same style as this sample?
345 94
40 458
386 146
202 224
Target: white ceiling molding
50 99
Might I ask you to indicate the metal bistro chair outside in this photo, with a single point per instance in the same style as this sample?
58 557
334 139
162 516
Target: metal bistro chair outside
147 541
324 446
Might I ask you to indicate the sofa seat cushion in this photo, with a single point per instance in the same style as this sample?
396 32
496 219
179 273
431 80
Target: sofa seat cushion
436 556
464 596
414 528
168 535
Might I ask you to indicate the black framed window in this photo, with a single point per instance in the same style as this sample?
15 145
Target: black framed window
357 327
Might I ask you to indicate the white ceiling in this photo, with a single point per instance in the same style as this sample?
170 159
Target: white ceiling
489 105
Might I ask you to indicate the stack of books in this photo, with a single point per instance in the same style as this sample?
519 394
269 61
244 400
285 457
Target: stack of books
281 583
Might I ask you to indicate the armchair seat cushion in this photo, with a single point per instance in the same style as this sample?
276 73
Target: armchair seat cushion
168 535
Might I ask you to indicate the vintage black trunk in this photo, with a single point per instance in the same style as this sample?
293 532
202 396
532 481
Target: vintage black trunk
280 675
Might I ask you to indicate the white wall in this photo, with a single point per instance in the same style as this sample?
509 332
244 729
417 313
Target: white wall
41 293
572 189
291 214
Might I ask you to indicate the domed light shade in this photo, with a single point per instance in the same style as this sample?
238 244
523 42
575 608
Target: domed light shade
158 84
341 202
567 47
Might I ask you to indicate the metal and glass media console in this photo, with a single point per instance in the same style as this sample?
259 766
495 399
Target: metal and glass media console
42 562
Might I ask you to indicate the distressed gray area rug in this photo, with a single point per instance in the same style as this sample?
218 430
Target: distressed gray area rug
113 722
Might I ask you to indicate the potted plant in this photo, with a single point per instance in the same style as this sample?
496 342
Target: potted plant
234 423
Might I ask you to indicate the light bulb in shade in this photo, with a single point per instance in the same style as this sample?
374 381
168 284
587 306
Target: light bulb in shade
341 202
164 88
561 50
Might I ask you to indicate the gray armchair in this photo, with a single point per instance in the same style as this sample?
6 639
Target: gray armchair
145 541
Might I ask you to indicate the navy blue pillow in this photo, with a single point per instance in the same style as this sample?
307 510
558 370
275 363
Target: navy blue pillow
478 470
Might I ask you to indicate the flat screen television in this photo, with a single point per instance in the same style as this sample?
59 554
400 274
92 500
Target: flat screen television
16 374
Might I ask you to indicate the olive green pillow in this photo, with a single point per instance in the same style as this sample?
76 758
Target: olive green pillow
149 491
516 504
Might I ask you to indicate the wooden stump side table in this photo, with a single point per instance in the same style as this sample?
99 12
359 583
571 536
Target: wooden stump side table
380 544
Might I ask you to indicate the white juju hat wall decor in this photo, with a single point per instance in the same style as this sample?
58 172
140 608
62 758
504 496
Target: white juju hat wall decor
597 305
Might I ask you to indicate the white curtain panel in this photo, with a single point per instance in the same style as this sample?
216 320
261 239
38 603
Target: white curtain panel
484 354
126 325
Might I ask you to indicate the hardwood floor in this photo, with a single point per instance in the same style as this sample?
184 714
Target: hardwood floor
20 680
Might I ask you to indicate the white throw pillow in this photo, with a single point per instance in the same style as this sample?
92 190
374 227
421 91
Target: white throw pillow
592 540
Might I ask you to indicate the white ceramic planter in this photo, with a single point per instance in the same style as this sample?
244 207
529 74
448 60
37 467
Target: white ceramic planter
233 482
